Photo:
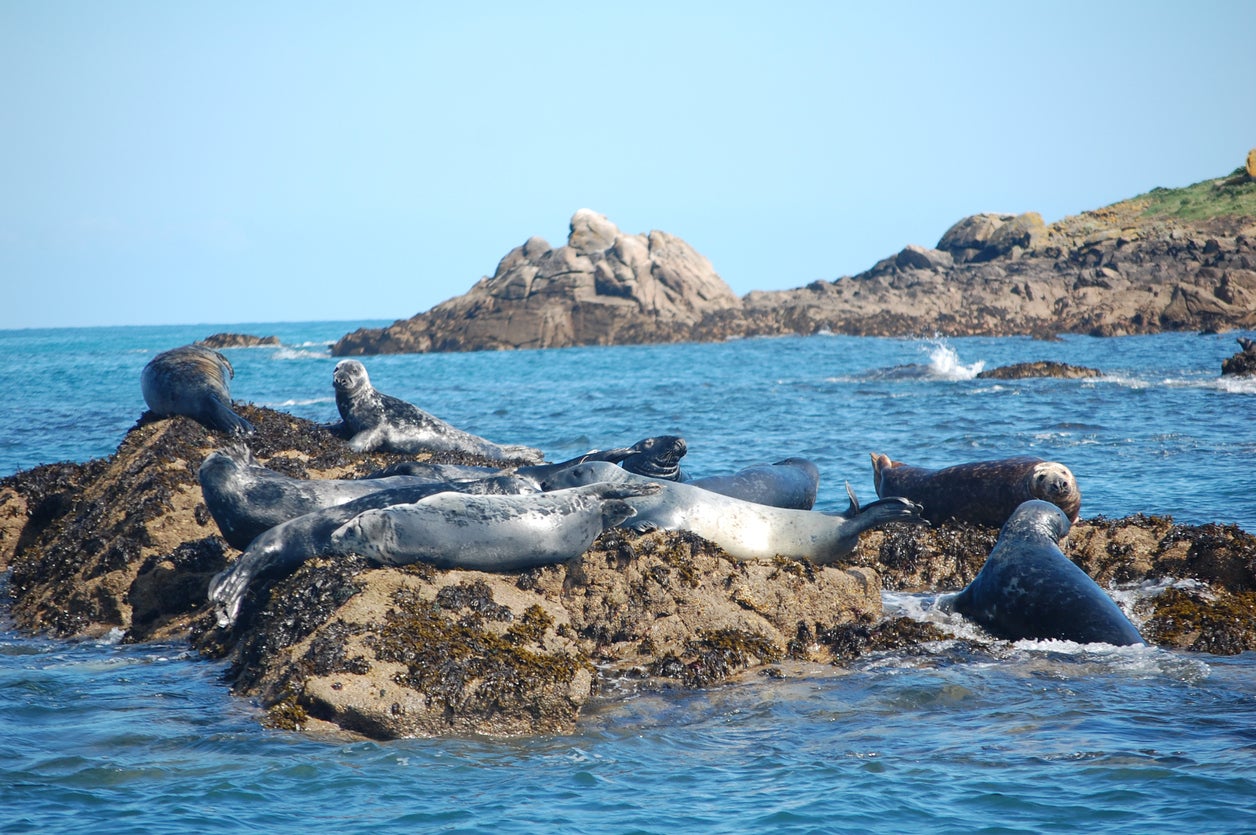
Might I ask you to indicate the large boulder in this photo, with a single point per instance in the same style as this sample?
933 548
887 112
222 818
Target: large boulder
604 287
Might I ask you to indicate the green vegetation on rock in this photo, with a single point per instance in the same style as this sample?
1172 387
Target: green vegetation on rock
1230 196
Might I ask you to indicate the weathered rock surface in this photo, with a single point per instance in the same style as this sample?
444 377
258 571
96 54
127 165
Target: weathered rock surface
127 543
1041 368
604 287
1244 362
1108 272
236 340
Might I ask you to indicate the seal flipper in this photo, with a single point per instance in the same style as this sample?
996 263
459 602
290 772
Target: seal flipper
222 418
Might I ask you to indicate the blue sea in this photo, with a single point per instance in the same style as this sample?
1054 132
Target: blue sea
100 737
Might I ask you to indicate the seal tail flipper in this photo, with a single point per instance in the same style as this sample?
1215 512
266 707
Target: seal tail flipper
221 418
853 510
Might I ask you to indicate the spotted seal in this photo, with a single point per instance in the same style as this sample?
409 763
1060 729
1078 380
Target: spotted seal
791 483
192 381
982 492
747 531
246 498
1029 589
374 421
490 533
279 550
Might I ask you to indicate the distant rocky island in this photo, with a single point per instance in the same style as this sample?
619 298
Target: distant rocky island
1169 260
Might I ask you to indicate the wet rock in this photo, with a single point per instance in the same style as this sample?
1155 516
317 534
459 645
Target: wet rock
1243 363
1041 368
237 340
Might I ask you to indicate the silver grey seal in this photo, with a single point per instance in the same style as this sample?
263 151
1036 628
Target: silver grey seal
490 533
1029 589
246 498
193 381
280 550
746 530
791 483
374 421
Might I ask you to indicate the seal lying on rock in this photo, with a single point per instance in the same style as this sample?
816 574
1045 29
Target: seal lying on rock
374 421
1029 589
246 498
791 483
982 492
643 452
192 381
657 457
747 531
490 533
279 550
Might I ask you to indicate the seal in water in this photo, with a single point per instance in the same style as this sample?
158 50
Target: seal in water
192 381
246 498
791 483
278 551
982 492
490 533
1029 589
374 421
747 531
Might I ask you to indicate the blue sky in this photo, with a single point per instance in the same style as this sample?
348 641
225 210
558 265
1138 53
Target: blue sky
222 162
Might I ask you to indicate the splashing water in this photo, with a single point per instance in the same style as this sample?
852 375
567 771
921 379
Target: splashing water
944 361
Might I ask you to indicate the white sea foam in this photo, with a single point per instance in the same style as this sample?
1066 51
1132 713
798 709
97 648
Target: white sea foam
286 353
944 361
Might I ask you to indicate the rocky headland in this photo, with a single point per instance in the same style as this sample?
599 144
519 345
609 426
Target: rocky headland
1170 260
127 544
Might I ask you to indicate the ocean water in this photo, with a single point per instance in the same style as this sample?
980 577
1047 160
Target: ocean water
1041 736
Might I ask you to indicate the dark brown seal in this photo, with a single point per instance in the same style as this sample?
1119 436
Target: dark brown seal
982 492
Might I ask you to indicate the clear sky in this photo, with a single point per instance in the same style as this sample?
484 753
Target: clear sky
222 162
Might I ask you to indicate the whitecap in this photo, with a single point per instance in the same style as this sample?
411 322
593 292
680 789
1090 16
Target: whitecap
944 361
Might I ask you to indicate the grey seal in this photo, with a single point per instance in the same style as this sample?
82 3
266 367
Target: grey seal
791 483
490 533
279 550
192 381
374 421
246 498
1029 589
746 530
983 492
657 449
657 457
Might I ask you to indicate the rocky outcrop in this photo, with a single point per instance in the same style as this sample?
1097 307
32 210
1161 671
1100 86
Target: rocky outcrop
1110 272
604 287
1040 368
126 543
237 340
1243 363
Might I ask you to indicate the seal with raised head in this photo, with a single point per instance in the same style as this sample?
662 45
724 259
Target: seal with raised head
193 381
374 421
490 533
657 457
657 451
279 550
791 483
1029 589
246 498
982 492
746 530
